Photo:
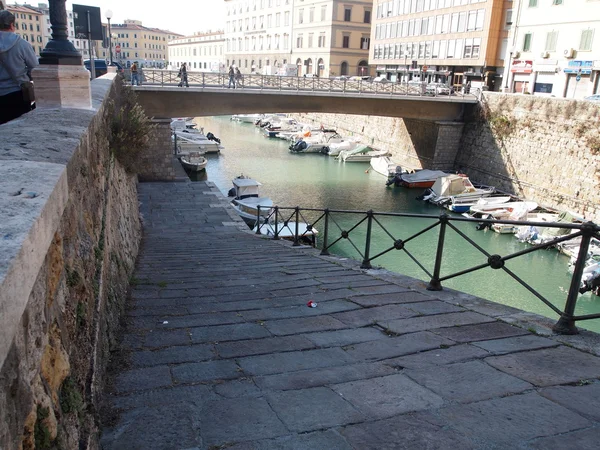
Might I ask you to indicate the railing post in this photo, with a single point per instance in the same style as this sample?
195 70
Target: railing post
296 238
258 219
325 252
434 284
344 88
366 264
566 324
203 80
276 236
162 78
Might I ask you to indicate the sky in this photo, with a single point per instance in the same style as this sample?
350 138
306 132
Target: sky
180 16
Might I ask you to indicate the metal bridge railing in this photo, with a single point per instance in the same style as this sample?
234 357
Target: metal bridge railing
164 78
331 232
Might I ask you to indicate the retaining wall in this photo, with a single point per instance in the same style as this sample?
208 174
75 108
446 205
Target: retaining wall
70 231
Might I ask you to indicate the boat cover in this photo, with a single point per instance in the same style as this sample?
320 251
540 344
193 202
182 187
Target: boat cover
423 175
449 185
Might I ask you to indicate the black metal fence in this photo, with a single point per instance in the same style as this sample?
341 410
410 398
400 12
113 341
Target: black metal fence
332 233
159 77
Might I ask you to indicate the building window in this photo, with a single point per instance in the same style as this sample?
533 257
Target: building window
321 41
347 14
346 42
532 3
367 16
310 40
365 43
509 14
323 13
527 39
300 16
557 2
311 15
299 41
551 39
587 37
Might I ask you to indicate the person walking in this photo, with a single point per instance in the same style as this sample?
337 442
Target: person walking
135 81
17 59
238 77
183 76
231 77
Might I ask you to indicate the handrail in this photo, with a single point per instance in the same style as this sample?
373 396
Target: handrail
567 318
278 83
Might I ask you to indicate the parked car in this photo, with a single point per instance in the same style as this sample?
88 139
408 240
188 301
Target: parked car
416 87
101 66
360 78
310 75
437 89
381 79
593 98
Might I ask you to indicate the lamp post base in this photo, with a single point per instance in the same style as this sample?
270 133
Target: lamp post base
62 86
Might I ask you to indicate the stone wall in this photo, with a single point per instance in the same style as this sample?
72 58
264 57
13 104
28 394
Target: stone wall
542 149
70 225
157 164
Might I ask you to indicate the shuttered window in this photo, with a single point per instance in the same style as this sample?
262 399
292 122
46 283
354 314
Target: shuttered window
587 37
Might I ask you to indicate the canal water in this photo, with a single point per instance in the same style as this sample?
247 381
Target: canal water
320 181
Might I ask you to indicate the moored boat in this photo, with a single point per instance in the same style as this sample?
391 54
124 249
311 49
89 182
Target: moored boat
385 166
193 161
287 230
246 200
420 179
456 189
361 154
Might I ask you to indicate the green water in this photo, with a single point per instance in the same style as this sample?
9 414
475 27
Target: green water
319 181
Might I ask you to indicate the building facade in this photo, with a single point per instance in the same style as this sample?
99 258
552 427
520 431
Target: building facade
131 41
30 24
258 34
554 49
450 41
332 38
202 52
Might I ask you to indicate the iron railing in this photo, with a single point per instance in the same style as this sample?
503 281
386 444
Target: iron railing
332 233
256 82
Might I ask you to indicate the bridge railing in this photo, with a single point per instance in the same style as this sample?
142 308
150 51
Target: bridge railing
161 77
356 229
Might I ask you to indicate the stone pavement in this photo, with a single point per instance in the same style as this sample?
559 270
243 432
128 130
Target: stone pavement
221 351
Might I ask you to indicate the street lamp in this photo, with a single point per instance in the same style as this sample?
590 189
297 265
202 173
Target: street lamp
108 14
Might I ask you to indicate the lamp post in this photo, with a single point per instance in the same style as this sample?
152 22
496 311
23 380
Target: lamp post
108 14
59 50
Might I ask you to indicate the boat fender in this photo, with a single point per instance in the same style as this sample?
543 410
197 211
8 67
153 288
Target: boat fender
325 150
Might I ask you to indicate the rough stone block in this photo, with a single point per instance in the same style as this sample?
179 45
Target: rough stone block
293 361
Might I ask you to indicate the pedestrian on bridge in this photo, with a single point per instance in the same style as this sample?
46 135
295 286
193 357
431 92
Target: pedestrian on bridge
17 59
135 81
231 77
183 76
238 77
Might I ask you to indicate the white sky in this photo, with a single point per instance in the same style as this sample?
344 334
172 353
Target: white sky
180 16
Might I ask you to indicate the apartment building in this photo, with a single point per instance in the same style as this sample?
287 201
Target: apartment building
331 37
134 42
258 34
30 25
554 49
449 41
201 51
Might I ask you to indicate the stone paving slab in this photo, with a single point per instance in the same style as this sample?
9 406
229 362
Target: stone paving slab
220 351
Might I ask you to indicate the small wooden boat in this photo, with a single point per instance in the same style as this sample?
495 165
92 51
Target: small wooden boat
193 161
420 179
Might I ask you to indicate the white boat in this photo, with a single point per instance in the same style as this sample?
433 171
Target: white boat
246 200
458 190
317 142
193 161
247 118
363 155
192 139
284 124
424 178
385 166
347 144
306 232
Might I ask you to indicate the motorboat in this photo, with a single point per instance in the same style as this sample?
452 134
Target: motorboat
385 166
347 144
317 142
287 230
184 142
193 161
456 189
360 154
282 125
464 204
420 179
247 118
192 139
246 200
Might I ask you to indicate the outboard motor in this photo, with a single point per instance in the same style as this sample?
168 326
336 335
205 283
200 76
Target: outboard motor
231 192
299 146
212 137
265 124
427 193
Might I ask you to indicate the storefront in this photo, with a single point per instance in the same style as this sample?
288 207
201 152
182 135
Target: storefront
579 79
521 71
545 78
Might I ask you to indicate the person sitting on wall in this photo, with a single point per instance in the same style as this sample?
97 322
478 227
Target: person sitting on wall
17 59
